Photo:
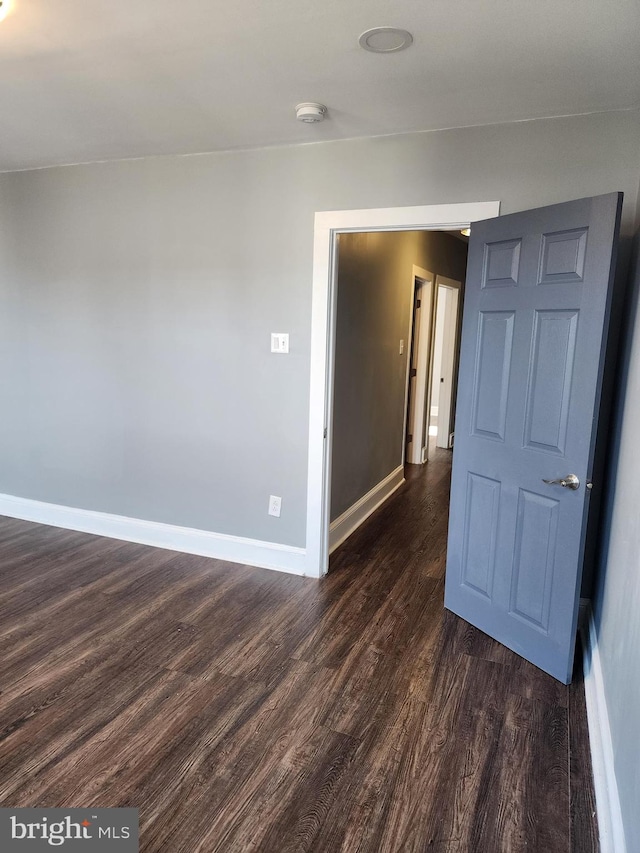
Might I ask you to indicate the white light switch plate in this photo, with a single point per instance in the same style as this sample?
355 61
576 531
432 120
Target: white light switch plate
280 342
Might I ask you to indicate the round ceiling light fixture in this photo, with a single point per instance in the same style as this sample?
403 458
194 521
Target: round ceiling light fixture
385 39
5 6
311 113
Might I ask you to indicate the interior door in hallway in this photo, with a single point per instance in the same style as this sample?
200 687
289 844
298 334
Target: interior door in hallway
534 332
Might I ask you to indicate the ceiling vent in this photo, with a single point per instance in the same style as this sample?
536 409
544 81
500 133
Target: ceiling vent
385 39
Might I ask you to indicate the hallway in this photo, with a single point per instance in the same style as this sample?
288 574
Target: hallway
246 710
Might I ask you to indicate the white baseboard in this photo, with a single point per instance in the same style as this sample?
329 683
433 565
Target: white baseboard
610 823
235 549
353 517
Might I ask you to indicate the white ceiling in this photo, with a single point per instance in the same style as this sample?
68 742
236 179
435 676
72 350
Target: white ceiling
84 80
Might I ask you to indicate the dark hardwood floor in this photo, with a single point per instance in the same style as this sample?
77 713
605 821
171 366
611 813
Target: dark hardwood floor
245 710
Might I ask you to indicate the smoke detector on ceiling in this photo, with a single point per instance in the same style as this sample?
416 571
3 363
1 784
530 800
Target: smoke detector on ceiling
310 113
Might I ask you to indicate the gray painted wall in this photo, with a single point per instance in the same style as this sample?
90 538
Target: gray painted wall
375 286
617 600
137 301
143 293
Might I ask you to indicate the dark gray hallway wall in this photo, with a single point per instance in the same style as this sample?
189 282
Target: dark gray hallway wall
141 295
374 289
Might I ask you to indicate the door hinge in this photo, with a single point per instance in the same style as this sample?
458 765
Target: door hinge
418 303
409 438
413 373
324 434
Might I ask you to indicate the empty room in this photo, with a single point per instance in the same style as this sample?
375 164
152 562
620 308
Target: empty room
320 378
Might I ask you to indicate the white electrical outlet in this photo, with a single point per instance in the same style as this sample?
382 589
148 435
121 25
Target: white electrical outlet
280 342
275 503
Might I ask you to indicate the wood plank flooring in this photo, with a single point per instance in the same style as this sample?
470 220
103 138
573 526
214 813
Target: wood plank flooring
244 710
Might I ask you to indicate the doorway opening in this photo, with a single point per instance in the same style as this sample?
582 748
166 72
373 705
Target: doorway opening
530 438
384 349
328 228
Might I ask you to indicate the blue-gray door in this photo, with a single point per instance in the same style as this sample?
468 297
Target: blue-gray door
534 330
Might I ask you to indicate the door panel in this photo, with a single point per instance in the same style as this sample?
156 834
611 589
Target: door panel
562 256
493 367
480 529
501 263
535 545
550 379
534 331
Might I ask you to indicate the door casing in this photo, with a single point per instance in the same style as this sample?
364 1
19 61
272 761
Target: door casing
446 393
328 224
422 339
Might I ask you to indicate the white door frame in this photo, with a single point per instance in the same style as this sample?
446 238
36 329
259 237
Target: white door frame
328 224
422 360
449 331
